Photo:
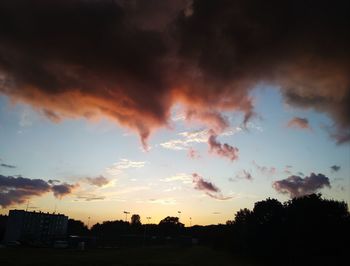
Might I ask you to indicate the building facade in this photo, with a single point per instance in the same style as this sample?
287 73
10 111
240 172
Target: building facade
35 226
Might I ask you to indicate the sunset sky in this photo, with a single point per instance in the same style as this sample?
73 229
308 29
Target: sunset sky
155 107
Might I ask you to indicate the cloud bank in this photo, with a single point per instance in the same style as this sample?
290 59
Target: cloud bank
133 62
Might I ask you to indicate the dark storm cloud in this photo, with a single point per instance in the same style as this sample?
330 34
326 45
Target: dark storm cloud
297 186
335 168
131 61
152 14
17 190
300 46
208 187
81 58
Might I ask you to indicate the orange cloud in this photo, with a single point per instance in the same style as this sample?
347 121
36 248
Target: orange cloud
131 64
299 122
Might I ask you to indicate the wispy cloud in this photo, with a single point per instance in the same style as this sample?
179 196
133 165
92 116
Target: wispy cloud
223 150
193 154
26 118
208 187
98 181
287 169
178 117
8 165
269 171
243 175
189 138
163 201
128 190
183 177
124 164
299 122
89 197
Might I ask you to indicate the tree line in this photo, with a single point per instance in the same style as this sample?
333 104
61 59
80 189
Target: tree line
303 226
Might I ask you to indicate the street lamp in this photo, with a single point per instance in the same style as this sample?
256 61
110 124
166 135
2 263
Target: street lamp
126 215
179 212
144 232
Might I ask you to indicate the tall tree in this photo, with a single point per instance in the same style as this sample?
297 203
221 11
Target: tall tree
135 220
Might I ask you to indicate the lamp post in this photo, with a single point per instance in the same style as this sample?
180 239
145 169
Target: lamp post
179 212
144 233
126 215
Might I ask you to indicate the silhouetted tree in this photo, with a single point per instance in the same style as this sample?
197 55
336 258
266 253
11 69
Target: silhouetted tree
76 227
135 220
268 218
301 226
317 225
110 232
242 217
170 226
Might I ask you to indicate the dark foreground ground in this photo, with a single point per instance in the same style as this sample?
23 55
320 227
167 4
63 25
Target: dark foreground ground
148 256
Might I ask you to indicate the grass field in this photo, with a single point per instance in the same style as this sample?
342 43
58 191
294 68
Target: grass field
142 256
125 256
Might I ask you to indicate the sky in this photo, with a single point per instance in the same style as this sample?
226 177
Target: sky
171 108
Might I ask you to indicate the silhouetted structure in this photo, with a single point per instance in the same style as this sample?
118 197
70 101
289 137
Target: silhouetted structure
35 226
308 226
3 223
